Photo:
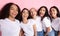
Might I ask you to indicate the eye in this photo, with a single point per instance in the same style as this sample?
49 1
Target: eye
11 8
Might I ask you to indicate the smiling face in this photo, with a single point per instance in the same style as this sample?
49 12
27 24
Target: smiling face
25 14
42 12
13 11
33 12
53 12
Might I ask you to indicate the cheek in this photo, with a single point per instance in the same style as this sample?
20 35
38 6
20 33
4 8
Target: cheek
27 15
31 13
42 13
55 11
35 13
13 13
22 15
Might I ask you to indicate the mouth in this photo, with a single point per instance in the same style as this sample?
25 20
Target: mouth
14 14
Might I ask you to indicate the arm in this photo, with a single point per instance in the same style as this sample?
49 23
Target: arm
21 32
35 32
48 25
47 31
0 33
59 33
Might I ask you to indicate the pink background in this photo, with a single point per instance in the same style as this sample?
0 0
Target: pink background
32 3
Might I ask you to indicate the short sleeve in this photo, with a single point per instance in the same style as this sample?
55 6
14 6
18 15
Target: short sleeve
32 21
47 22
0 24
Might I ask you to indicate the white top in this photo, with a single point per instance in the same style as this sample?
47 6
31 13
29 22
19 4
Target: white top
46 23
56 24
10 28
38 23
28 28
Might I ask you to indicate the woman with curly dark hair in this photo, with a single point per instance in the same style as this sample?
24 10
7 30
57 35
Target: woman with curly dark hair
9 20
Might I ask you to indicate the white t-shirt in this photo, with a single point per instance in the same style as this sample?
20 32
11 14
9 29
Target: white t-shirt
28 28
10 28
56 24
46 23
38 23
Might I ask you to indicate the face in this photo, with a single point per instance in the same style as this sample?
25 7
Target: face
25 14
13 11
42 12
53 12
33 12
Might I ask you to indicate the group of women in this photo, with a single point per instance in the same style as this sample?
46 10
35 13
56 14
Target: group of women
29 22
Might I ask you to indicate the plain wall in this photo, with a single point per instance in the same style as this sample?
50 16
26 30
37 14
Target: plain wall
32 3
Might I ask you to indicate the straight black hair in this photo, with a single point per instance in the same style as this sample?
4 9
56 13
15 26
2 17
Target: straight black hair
22 12
46 12
58 14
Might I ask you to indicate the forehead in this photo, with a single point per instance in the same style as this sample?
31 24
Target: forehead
53 9
33 9
25 11
43 8
14 6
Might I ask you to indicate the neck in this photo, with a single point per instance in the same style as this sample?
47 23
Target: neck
34 17
11 18
25 20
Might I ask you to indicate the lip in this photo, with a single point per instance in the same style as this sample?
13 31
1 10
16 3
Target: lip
14 14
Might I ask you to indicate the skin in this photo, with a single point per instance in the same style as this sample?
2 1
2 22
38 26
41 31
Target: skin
54 13
13 12
59 33
42 12
33 13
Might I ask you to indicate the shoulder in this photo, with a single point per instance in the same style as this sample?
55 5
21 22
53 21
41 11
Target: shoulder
38 17
58 19
46 19
1 20
31 21
17 21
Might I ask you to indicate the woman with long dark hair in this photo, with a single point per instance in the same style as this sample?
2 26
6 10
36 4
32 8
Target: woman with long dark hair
27 24
9 20
55 19
45 19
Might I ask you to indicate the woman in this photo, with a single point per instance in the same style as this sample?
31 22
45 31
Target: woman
9 23
33 15
27 24
43 13
54 14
